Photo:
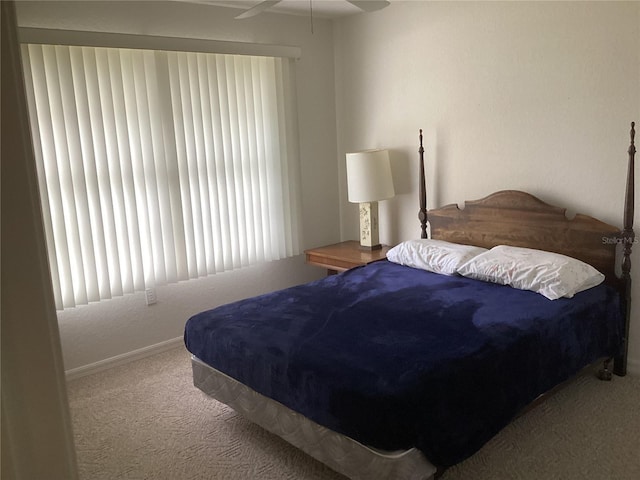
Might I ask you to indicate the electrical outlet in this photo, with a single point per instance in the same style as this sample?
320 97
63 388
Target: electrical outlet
150 294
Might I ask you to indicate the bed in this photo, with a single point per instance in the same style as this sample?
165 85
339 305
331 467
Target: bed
390 371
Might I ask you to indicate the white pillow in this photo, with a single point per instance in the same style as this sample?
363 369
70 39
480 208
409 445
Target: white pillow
433 255
550 274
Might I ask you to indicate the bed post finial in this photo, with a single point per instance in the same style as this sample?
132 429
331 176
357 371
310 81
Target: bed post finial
628 238
422 193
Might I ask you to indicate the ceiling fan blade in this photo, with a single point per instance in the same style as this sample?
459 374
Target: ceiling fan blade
259 8
369 5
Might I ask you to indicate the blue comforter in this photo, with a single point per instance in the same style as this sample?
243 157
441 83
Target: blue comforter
396 357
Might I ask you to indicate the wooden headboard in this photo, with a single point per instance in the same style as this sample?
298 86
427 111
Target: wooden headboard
516 218
519 219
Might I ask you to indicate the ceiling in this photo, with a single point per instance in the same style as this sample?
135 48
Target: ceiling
321 8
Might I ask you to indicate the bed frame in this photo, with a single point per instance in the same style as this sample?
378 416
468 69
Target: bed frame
515 218
507 217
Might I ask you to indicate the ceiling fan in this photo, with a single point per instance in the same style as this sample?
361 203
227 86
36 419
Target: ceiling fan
364 5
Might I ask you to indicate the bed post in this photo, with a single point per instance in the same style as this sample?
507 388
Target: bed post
422 193
628 238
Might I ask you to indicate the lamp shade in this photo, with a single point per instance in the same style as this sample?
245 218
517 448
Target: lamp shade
369 176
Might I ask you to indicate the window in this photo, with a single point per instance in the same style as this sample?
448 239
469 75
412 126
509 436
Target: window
160 166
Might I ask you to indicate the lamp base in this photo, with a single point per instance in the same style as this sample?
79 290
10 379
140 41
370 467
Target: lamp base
369 236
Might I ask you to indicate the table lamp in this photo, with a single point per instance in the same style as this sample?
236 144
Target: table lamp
368 181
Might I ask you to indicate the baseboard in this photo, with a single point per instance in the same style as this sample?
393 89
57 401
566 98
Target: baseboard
122 359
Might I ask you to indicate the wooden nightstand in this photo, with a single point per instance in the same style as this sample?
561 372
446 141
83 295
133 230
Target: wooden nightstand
343 256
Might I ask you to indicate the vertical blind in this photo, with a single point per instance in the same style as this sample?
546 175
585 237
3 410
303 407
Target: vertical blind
156 167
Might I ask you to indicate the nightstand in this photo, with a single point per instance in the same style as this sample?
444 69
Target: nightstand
343 256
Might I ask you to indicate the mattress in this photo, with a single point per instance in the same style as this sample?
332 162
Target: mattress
397 358
342 454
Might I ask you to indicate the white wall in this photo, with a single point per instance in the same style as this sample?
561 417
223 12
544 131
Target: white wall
536 96
94 333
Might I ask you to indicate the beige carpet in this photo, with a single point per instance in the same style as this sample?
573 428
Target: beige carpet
146 420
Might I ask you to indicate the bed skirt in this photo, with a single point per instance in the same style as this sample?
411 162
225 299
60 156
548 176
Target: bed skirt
340 453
